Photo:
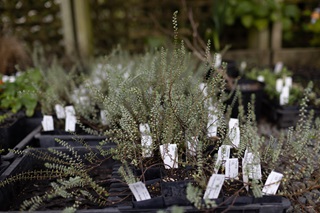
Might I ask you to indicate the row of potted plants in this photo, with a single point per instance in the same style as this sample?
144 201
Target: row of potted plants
165 136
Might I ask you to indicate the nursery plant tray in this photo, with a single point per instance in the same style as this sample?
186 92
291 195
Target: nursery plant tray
12 195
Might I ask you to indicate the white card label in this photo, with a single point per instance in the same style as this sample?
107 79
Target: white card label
288 82
284 96
212 125
203 88
103 117
223 155
169 155
146 142
192 146
251 165
139 191
234 131
47 123
144 129
214 186
278 67
217 60
260 78
71 119
272 183
231 168
279 85
60 111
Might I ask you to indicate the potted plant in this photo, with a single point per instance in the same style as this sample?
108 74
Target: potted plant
282 95
172 124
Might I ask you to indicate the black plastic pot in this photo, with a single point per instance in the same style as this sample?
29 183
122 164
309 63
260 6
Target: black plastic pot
247 88
48 139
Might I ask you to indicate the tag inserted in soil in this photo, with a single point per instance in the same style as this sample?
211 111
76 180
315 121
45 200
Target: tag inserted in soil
169 155
60 111
139 190
47 123
214 186
272 184
71 119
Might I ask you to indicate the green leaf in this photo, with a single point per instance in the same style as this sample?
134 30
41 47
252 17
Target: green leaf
261 24
247 21
286 24
291 11
244 7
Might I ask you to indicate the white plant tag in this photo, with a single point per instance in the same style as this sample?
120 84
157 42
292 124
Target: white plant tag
144 129
214 186
272 184
217 60
284 96
279 85
71 119
146 142
212 127
47 123
234 131
169 155
231 168
223 155
260 78
203 88
60 111
288 82
278 67
139 191
103 117
252 166
192 146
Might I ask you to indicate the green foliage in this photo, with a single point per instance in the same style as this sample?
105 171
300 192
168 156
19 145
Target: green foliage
259 14
270 78
20 94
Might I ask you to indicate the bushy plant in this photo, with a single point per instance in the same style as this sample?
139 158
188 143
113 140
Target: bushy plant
20 94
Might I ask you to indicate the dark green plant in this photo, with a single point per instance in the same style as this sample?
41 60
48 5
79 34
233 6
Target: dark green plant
21 94
259 14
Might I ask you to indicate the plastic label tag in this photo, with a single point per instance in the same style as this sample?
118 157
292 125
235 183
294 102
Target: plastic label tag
47 123
231 168
234 131
203 88
103 117
223 155
278 67
60 111
144 129
212 126
279 85
288 82
146 142
214 186
71 119
139 191
217 60
251 165
169 155
260 78
284 96
272 183
192 146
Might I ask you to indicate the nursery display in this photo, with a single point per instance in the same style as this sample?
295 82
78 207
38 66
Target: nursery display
158 132
282 95
170 141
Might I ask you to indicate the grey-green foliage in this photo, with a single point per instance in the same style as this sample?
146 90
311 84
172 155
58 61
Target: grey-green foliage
295 153
69 175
